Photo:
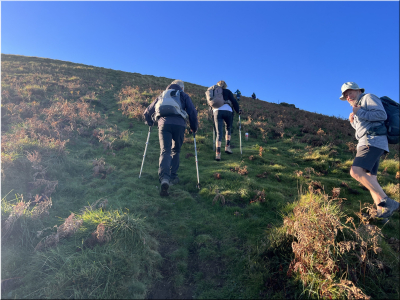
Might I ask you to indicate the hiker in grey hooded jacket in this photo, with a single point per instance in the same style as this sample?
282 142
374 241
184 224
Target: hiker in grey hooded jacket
368 112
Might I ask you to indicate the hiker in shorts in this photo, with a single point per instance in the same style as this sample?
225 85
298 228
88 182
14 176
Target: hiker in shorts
238 94
221 115
253 96
171 131
368 112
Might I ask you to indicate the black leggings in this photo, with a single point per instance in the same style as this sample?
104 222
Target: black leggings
221 116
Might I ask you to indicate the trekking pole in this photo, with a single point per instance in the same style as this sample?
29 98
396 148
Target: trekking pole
197 166
240 135
145 149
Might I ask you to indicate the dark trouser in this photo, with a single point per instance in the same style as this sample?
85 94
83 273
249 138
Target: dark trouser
221 116
171 140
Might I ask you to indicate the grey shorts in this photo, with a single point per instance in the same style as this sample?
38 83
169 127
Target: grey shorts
368 157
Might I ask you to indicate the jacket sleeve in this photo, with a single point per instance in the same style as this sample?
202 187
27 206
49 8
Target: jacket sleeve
371 109
150 110
234 101
192 112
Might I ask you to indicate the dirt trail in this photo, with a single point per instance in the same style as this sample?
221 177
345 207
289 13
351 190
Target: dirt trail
164 287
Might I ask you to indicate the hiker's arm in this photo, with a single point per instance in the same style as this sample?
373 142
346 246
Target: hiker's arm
372 109
234 102
150 110
192 112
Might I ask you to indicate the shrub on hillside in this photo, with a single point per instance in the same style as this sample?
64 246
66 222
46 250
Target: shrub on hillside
134 102
326 250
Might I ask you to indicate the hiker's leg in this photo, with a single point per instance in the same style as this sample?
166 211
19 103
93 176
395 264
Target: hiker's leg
365 168
218 128
372 174
228 140
177 141
370 182
377 196
228 118
165 138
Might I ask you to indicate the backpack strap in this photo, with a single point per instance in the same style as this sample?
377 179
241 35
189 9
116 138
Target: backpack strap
177 94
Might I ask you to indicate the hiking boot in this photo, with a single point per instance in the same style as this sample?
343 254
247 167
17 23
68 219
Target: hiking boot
228 149
164 187
388 207
218 156
174 181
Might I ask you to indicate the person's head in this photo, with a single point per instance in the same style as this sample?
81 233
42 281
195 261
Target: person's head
180 83
222 84
350 92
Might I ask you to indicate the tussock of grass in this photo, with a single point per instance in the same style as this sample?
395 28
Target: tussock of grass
88 266
334 257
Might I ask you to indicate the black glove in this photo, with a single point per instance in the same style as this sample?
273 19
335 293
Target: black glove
240 111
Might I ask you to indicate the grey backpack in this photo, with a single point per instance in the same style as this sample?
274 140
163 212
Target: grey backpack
214 96
169 104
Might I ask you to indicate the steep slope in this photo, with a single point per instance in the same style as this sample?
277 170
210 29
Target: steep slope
72 145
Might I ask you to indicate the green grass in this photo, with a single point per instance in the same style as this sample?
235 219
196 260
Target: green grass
186 244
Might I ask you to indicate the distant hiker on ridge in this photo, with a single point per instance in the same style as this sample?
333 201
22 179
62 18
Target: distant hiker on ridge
171 109
221 101
368 112
253 96
238 94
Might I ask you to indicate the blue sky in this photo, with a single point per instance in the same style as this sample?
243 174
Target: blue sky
284 51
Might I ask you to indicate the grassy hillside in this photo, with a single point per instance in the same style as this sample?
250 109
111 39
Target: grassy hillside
283 220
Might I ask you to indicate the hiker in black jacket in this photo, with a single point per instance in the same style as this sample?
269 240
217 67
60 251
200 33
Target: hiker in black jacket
171 131
224 114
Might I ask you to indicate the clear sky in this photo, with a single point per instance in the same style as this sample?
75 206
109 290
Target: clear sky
284 51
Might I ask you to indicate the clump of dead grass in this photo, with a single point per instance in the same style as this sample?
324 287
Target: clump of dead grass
23 213
259 197
16 212
239 170
100 236
100 169
42 207
325 248
68 228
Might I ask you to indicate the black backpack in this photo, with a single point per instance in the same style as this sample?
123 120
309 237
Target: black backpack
391 125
